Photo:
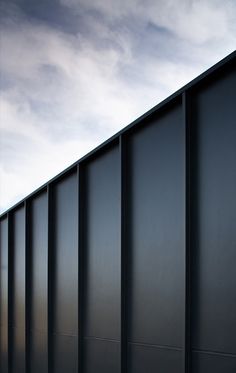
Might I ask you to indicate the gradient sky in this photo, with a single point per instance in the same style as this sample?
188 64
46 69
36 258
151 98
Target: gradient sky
74 72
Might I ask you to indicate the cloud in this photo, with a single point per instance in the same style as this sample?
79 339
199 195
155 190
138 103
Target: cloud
197 21
65 92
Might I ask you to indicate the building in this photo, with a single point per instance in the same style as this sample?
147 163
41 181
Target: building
125 262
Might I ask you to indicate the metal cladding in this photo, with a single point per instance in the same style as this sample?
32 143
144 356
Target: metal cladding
125 262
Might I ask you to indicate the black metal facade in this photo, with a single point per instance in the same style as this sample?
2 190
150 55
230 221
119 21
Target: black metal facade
126 262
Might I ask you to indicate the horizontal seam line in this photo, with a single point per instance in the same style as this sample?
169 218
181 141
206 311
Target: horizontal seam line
164 347
102 339
226 354
63 334
42 331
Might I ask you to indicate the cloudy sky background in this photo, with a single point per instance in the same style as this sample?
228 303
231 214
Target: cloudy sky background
74 72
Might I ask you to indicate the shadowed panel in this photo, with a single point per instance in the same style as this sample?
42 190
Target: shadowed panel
214 216
66 255
157 231
18 292
38 283
65 354
4 295
101 356
143 359
206 363
102 252
65 274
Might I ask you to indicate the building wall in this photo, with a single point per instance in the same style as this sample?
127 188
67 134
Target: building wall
126 262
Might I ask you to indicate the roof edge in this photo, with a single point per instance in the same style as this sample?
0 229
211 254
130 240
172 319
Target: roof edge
199 79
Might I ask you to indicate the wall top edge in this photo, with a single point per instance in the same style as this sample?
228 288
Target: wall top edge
217 68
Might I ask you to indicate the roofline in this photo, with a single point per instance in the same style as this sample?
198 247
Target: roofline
199 79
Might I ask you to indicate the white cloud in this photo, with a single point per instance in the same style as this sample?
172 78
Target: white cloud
197 21
63 94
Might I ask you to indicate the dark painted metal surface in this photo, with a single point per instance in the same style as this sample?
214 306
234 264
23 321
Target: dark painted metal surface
38 283
17 294
124 230
214 218
151 358
157 236
102 263
102 247
203 362
64 274
125 263
101 356
4 295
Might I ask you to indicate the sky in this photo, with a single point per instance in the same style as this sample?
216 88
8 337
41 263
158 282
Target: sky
74 72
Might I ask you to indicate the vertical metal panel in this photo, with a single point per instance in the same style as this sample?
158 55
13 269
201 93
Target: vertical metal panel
17 321
38 308
211 362
37 352
4 295
10 287
157 237
214 237
50 276
124 251
149 358
186 106
65 353
65 271
27 285
101 356
103 258
81 204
